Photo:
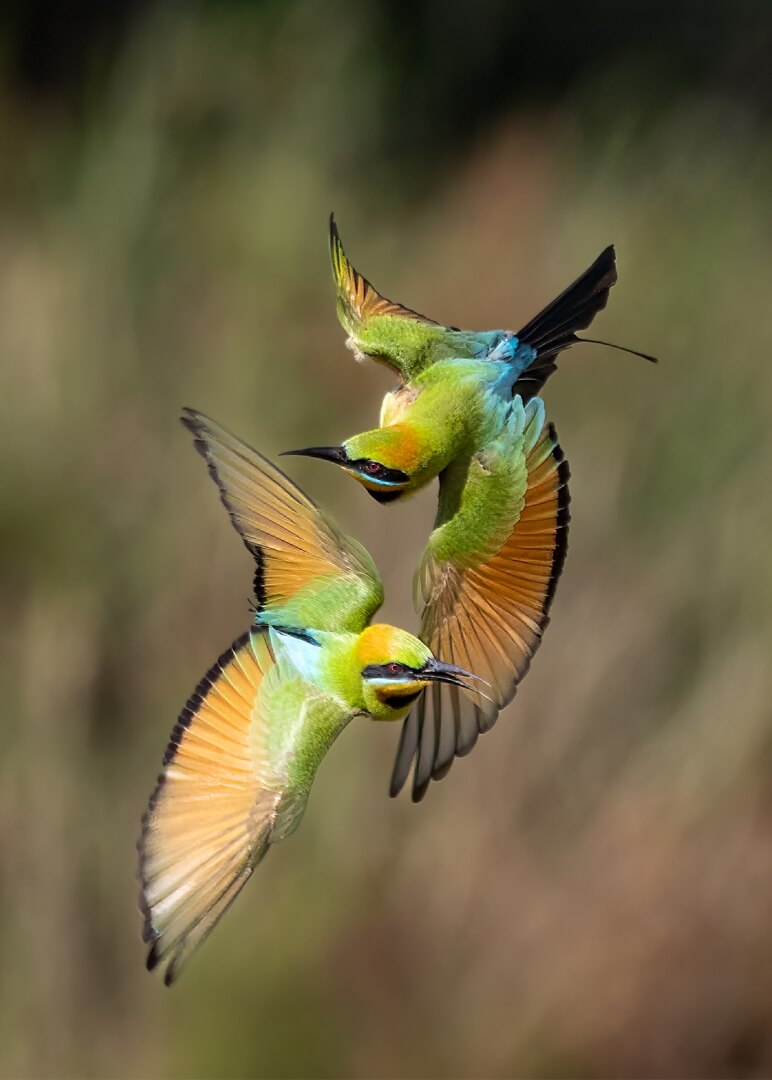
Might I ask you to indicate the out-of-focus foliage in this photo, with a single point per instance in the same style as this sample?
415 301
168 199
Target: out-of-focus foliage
589 893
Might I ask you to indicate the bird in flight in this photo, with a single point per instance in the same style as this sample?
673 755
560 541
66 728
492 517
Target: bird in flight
243 754
465 411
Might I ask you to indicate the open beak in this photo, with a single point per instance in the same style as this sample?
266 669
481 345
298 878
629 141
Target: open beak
437 671
326 453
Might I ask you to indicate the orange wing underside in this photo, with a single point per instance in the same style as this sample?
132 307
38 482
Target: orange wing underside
209 820
499 610
279 522
490 620
292 543
298 551
360 299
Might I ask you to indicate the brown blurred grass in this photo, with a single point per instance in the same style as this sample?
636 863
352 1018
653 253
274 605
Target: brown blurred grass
588 894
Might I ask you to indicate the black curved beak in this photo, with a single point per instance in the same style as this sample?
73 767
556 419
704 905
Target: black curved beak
326 453
437 671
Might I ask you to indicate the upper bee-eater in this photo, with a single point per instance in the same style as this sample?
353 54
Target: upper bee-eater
465 412
395 335
242 757
455 384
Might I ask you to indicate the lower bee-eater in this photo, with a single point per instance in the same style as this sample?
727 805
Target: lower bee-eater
242 757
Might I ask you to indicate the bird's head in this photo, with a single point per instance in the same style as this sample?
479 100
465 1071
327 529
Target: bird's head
396 668
384 460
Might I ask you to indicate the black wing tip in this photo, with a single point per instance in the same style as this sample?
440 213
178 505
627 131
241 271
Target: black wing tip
399 775
191 418
426 743
406 750
196 423
443 770
153 957
198 697
562 521
486 721
419 790
557 450
185 718
148 933
466 748
201 429
337 253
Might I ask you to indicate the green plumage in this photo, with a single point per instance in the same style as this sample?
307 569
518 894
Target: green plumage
390 333
244 753
481 498
301 719
465 411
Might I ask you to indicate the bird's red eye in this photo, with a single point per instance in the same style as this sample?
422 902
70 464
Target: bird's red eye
395 669
372 467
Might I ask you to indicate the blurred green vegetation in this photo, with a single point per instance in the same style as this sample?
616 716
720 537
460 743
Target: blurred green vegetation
588 894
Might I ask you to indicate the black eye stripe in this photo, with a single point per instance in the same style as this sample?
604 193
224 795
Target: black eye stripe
368 467
385 671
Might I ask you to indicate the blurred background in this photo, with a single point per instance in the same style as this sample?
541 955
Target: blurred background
589 893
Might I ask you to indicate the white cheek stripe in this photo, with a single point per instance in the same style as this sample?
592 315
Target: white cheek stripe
395 684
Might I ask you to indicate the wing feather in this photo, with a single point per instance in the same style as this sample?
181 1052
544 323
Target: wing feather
490 617
379 328
309 575
358 300
235 779
209 821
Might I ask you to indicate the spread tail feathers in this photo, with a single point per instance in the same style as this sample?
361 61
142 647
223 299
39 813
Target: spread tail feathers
554 328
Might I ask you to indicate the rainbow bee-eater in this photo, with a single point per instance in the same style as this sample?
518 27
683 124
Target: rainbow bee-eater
242 757
454 384
392 334
465 412
488 575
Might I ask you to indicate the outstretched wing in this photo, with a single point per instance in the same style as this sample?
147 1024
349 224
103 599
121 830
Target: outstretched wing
210 819
488 578
309 574
227 791
379 328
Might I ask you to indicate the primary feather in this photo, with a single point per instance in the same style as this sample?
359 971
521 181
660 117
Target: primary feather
228 790
488 578
309 573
